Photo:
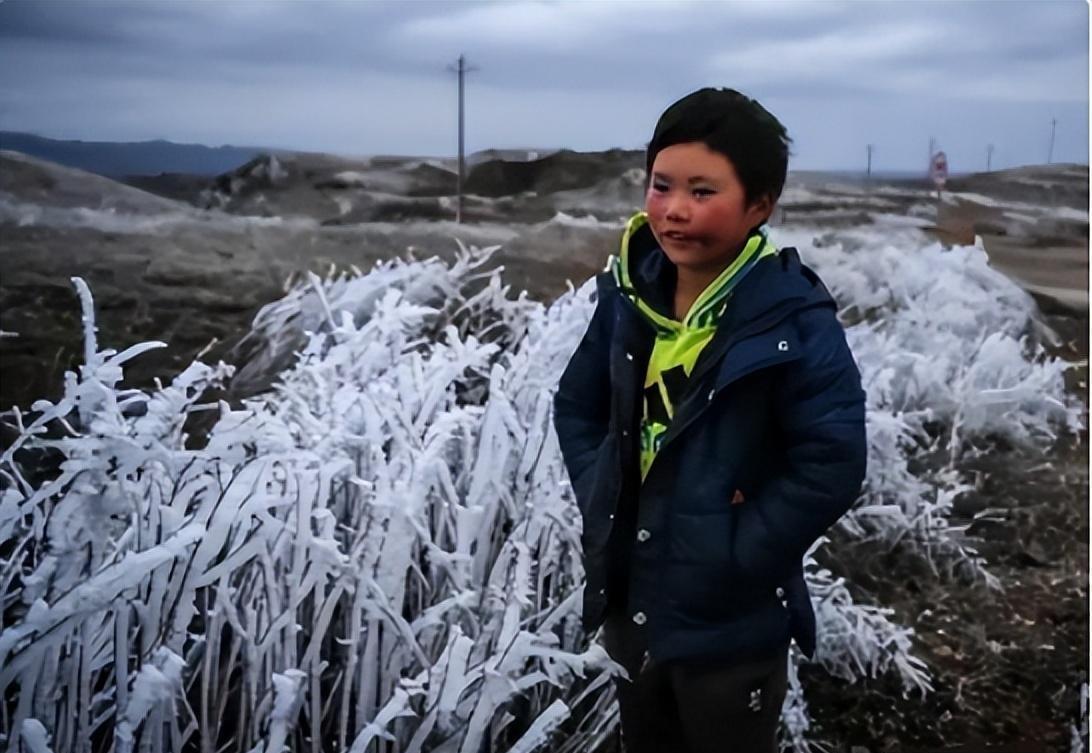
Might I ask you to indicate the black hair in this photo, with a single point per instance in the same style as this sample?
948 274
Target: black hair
734 125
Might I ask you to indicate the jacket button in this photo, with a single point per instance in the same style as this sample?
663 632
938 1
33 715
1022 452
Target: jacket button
643 535
625 432
640 618
602 591
712 393
611 516
629 356
780 593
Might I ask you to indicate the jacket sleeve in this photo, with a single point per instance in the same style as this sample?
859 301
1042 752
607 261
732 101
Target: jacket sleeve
821 415
582 403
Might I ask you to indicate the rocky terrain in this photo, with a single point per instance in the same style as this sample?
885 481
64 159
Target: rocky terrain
190 262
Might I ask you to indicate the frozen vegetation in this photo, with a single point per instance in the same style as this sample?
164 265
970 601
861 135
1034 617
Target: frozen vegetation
382 553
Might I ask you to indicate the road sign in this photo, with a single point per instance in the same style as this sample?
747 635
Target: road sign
938 169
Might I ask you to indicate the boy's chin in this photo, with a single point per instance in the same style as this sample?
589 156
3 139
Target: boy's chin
696 260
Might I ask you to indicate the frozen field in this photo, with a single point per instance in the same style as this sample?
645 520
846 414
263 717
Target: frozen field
370 543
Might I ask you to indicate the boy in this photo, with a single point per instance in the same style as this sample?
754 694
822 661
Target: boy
712 423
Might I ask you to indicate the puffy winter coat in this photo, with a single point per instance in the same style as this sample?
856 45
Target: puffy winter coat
765 451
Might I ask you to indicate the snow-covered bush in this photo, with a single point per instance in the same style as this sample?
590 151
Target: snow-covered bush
951 357
388 531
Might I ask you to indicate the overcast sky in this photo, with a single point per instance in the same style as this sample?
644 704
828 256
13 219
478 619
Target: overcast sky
371 77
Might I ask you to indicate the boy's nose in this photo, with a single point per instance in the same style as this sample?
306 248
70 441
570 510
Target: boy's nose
677 210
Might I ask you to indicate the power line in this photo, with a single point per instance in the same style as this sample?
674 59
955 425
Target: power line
462 70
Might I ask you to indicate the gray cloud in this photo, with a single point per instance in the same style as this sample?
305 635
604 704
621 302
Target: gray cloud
360 77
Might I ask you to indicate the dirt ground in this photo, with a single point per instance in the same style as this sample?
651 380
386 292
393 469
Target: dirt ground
1007 667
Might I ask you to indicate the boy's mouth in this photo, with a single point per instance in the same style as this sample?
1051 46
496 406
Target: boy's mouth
680 237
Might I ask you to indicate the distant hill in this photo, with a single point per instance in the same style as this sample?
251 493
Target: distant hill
562 170
116 159
508 155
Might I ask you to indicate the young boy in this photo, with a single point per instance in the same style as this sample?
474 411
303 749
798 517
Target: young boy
712 423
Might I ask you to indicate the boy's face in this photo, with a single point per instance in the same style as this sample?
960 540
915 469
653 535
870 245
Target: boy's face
696 207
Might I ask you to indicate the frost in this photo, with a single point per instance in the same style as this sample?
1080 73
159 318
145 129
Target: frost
35 736
588 221
110 220
156 683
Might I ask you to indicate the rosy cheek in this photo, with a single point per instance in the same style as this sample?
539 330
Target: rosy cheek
654 201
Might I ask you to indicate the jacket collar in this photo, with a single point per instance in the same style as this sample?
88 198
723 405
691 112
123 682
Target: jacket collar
777 284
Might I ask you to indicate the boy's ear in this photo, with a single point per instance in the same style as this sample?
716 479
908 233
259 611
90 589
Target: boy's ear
765 204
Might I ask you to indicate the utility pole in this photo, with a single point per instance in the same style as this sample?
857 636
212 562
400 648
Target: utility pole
932 151
462 70
1050 152
989 157
868 170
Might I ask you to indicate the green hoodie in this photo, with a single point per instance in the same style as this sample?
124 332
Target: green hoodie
678 344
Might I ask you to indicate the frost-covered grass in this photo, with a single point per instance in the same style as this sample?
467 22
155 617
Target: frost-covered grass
382 552
952 359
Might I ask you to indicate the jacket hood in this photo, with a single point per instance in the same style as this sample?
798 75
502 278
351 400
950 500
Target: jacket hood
777 281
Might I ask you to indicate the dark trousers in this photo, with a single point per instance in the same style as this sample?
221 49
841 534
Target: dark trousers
694 706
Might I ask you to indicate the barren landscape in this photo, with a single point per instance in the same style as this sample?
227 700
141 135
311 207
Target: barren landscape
191 262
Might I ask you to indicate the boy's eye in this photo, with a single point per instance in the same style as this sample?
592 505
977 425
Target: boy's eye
663 187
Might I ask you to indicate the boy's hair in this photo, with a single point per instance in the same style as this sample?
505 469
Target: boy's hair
735 125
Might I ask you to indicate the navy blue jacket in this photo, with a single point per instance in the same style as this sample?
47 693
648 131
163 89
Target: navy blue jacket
773 415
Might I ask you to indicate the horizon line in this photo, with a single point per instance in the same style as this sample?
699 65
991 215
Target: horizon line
546 150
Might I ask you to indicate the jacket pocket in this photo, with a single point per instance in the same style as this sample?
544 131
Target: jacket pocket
702 584
704 539
756 556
